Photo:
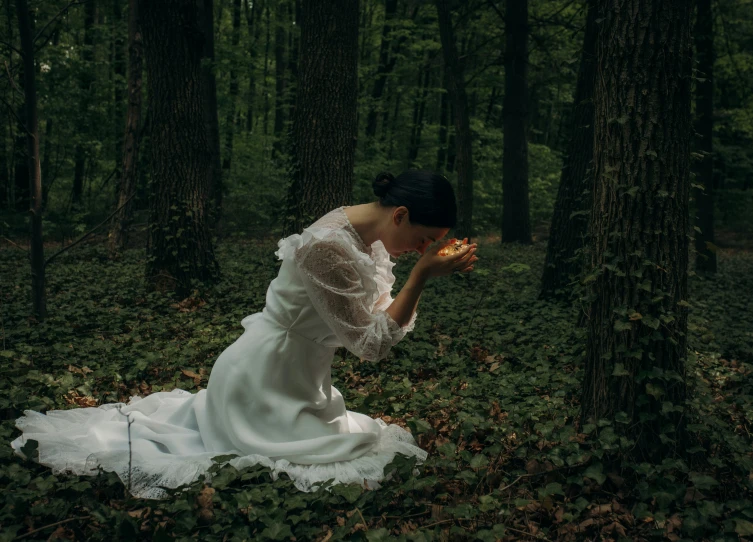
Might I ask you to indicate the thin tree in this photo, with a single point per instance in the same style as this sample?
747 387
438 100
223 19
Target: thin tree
118 237
572 207
516 222
85 81
31 128
463 136
324 126
179 246
637 320
230 119
205 10
704 128
281 21
386 64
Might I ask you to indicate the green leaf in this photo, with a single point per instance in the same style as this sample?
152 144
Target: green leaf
479 461
595 472
277 531
703 481
743 527
619 370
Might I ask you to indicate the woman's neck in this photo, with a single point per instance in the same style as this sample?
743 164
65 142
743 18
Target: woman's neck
367 219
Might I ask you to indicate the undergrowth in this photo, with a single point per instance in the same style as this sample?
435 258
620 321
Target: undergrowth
489 383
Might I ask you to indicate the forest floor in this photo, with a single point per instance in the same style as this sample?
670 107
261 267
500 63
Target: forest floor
488 382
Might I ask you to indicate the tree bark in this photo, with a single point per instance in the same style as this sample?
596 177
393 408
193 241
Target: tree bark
86 78
456 89
280 82
265 88
230 120
516 221
385 67
4 163
119 86
569 226
118 238
419 107
179 246
38 293
325 124
444 110
638 323
206 25
253 36
704 128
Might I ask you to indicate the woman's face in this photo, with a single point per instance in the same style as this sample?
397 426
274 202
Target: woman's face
403 237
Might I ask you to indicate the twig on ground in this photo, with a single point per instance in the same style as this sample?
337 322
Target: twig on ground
51 525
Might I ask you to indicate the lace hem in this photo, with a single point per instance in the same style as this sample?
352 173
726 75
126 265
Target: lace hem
65 441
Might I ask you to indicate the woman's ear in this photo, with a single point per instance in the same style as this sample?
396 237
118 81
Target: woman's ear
400 215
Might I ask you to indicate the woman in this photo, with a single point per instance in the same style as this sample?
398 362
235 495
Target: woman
269 399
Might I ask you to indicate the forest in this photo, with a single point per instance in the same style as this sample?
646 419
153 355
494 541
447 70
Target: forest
591 379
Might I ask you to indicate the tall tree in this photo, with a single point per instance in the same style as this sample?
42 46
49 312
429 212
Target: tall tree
281 21
205 11
638 323
572 207
704 128
131 142
385 67
31 129
86 79
253 36
119 84
179 247
230 119
325 125
463 136
419 107
516 221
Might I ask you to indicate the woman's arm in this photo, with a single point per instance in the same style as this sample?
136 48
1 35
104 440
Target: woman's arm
429 265
402 308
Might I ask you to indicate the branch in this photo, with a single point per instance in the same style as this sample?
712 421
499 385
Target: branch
9 46
51 525
105 221
61 12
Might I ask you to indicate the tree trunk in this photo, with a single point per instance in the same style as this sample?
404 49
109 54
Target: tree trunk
294 40
516 221
45 169
456 89
253 36
206 26
280 83
325 123
119 86
704 128
86 79
444 109
38 294
574 196
419 106
118 238
21 173
385 67
230 121
179 247
265 84
4 163
638 321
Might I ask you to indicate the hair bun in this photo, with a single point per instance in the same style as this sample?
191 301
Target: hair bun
381 184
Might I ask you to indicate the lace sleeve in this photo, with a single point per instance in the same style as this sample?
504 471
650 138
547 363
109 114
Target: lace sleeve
331 274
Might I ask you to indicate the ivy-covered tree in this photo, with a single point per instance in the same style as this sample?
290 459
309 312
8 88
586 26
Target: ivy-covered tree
704 128
572 207
516 221
179 248
637 317
324 127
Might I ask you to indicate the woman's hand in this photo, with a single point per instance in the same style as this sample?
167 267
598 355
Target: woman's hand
431 264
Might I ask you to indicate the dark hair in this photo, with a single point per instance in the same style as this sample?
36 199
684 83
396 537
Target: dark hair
428 196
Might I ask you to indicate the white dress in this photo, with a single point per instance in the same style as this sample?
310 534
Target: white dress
269 399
